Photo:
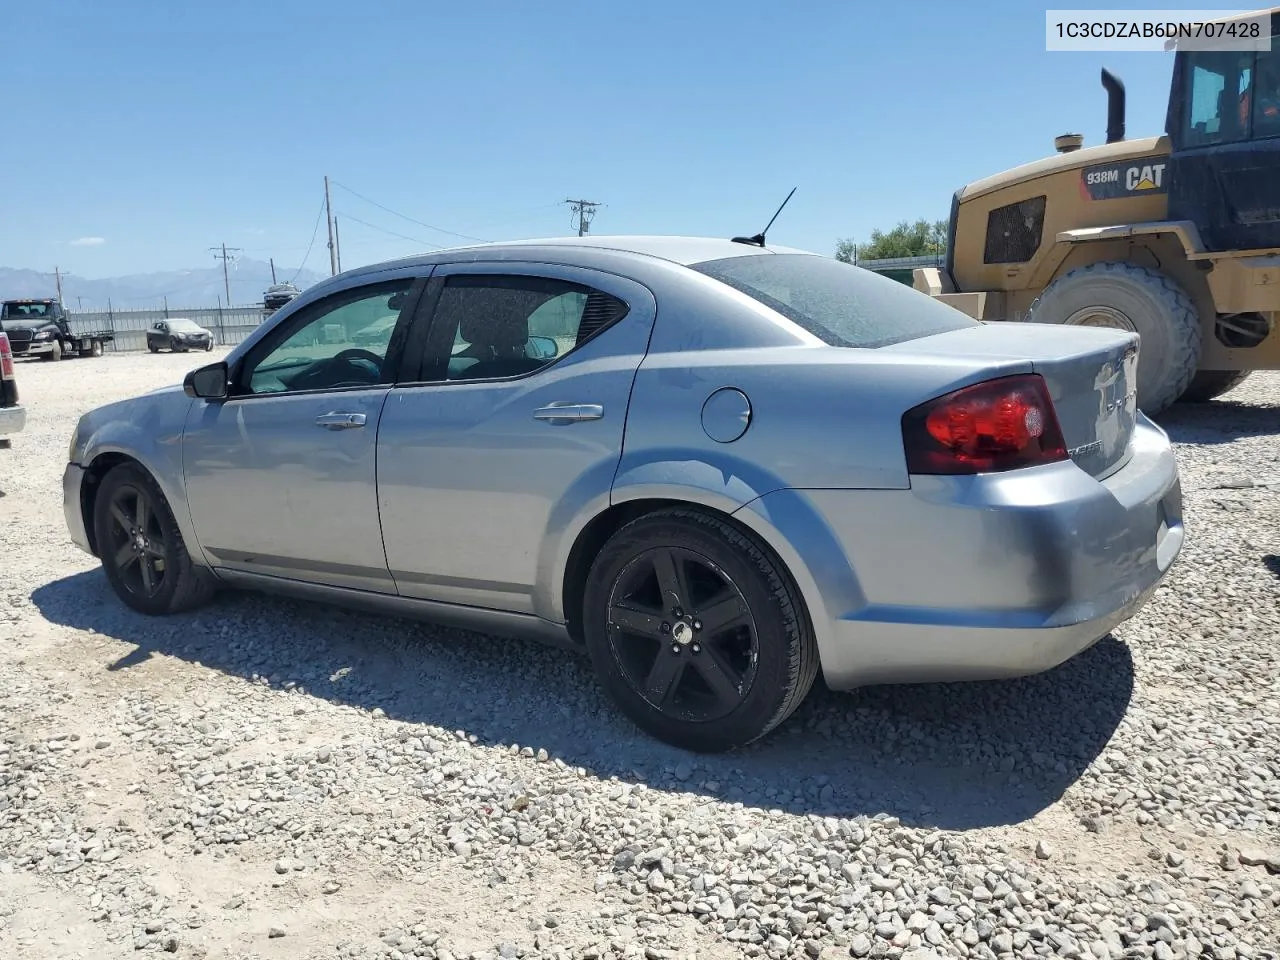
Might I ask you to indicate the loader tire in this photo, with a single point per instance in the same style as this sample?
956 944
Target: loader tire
1127 297
1210 384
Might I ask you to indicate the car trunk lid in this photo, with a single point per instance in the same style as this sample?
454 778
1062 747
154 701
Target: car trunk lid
1091 374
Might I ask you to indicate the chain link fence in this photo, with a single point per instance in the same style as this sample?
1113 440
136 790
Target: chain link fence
230 325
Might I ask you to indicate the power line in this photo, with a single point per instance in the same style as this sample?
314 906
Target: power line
585 211
402 216
520 217
392 233
314 233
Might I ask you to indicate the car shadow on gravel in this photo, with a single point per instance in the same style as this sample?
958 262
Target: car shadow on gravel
954 756
1219 421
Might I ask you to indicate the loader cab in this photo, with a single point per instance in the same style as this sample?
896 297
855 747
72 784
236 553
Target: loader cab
1223 124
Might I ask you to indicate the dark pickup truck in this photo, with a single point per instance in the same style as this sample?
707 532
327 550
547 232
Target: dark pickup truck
12 417
40 328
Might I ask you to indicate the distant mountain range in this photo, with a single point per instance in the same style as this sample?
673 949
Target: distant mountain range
200 287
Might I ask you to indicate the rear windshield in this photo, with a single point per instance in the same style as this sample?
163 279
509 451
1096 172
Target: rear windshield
843 305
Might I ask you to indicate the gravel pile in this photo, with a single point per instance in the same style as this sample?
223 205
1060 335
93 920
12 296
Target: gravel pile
270 779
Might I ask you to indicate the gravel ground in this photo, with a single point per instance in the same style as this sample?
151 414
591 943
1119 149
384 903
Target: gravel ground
271 779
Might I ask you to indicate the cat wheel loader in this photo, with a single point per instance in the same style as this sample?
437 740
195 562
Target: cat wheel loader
1175 237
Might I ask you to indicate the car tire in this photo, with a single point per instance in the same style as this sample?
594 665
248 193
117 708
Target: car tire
175 347
1211 384
147 564
1129 297
208 346
697 685
56 352
154 348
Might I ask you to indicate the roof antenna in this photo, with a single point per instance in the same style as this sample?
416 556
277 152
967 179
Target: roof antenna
758 239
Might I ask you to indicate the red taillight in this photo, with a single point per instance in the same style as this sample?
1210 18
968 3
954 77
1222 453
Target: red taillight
997 425
6 358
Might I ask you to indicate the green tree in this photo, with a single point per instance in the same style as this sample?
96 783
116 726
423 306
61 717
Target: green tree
919 239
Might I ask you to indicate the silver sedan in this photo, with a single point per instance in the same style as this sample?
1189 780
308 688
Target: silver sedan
717 467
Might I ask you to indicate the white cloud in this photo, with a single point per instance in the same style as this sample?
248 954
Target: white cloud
88 242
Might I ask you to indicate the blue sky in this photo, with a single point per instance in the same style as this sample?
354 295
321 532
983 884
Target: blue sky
162 129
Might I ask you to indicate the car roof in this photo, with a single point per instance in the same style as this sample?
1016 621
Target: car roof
676 249
682 250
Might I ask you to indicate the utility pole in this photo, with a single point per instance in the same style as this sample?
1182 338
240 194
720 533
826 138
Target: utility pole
272 261
57 276
337 243
328 215
224 257
585 211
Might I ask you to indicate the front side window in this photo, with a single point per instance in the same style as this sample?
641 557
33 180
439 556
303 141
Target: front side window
839 303
342 342
508 326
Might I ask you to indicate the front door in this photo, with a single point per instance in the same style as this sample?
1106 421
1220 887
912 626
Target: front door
281 477
515 429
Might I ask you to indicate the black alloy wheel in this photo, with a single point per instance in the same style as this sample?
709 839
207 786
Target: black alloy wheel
682 634
141 547
696 631
136 543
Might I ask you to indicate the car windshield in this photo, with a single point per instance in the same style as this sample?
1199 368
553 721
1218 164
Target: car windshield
841 304
25 311
184 326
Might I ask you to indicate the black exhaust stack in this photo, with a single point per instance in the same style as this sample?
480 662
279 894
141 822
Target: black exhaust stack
1115 106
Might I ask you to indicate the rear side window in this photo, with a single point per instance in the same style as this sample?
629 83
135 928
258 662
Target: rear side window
841 304
510 326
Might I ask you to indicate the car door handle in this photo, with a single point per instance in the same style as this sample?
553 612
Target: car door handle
569 412
340 421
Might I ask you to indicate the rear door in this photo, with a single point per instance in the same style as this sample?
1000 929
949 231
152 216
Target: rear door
513 428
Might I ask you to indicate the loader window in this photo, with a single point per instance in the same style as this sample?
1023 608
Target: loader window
1265 95
1217 104
1013 231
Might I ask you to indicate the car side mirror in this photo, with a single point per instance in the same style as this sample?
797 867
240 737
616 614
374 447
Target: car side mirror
541 348
208 383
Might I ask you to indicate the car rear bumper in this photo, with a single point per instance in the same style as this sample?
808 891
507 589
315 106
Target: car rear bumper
12 419
72 484
982 577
